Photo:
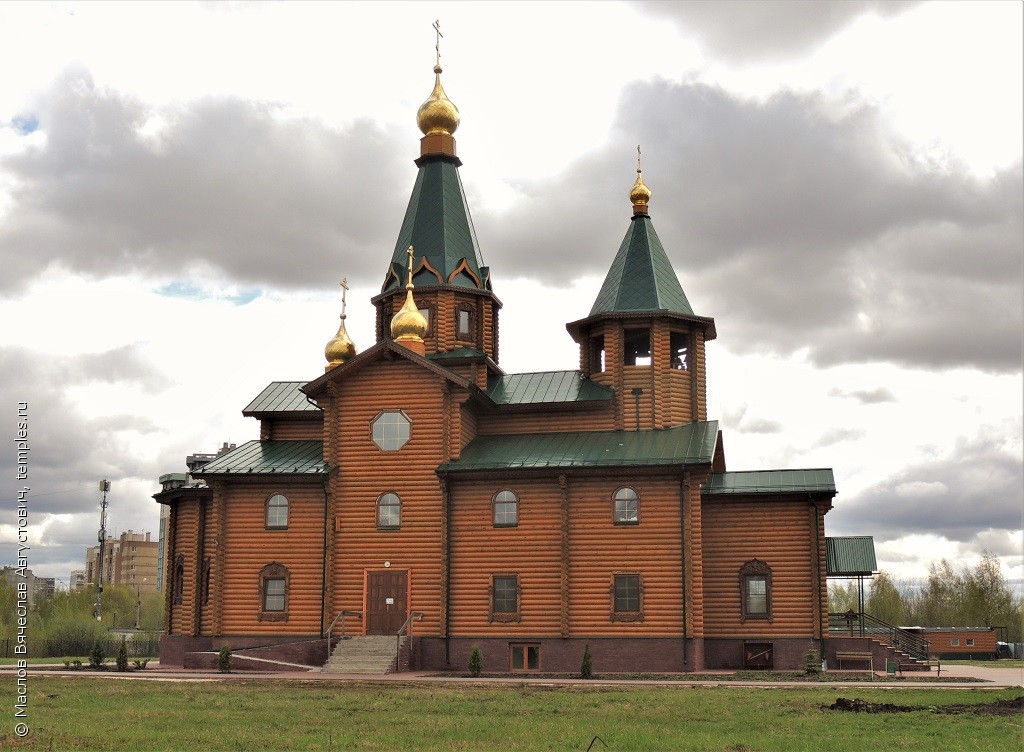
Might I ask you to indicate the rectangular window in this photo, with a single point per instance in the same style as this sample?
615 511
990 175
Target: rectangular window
970 642
679 345
273 594
954 642
464 323
627 593
505 599
756 595
597 354
524 657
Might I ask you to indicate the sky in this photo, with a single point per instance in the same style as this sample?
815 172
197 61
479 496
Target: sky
838 184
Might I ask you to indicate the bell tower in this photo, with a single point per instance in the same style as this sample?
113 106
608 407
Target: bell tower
642 338
453 286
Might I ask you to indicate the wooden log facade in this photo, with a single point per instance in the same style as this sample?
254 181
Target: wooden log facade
529 514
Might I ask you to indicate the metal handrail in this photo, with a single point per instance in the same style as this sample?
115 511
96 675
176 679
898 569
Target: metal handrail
865 625
414 616
341 615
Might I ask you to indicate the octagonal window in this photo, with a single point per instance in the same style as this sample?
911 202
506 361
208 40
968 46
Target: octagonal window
390 430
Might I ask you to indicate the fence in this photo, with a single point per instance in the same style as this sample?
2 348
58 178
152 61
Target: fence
139 646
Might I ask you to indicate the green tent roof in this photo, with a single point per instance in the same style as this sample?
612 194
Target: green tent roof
769 482
688 444
641 278
269 457
439 228
850 556
545 387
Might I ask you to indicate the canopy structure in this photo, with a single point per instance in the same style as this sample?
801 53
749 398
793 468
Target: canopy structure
851 558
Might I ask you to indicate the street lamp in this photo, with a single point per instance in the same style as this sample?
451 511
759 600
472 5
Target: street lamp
138 603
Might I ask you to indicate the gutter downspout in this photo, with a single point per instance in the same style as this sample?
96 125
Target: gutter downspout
684 498
817 580
323 553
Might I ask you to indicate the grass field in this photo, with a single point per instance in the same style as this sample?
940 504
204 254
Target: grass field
83 713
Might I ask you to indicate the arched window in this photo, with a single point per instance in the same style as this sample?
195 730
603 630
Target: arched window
277 512
627 507
178 580
274 581
756 590
506 509
389 512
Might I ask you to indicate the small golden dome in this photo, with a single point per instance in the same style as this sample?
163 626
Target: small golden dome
639 194
408 324
340 348
437 116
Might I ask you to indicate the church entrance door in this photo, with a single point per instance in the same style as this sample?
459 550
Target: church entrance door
386 608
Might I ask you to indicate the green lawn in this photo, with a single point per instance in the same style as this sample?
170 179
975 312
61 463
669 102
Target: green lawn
84 713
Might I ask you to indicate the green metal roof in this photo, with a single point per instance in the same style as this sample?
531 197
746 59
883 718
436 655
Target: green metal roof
689 444
769 482
280 397
269 457
458 352
439 228
641 278
850 556
545 387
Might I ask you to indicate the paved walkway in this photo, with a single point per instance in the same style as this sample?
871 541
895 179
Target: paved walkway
992 677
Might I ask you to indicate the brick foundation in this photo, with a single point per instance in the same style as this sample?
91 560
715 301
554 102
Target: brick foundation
788 652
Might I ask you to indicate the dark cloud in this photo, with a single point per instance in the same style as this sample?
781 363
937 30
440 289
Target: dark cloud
795 227
766 30
739 421
866 396
259 198
963 496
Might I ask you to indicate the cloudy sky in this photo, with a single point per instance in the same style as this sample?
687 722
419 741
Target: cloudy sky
182 186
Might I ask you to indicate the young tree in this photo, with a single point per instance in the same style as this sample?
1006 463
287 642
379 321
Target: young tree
842 598
885 601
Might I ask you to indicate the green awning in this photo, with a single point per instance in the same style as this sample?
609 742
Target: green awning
851 556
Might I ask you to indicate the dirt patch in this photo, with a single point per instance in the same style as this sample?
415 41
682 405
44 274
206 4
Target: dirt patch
1012 707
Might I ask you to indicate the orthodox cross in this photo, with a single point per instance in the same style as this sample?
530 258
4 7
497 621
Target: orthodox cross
638 159
437 41
409 252
344 290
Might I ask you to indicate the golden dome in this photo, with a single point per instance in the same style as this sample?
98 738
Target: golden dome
437 116
408 324
340 348
639 194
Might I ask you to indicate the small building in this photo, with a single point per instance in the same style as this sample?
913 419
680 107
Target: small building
966 643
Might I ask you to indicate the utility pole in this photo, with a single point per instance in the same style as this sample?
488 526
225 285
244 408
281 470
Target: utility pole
104 488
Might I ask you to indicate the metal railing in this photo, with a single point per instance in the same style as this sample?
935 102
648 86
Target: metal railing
414 616
341 615
857 624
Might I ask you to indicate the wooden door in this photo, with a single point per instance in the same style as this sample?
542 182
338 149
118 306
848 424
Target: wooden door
386 608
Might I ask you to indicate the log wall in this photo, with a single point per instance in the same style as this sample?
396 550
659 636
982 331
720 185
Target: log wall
779 533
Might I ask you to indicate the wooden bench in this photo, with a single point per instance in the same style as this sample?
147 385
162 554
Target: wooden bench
847 656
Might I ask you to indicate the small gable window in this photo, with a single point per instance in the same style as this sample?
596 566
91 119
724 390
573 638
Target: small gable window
389 512
506 509
277 512
627 507
756 590
390 430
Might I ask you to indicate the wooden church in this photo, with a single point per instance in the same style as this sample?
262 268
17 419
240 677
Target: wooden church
417 489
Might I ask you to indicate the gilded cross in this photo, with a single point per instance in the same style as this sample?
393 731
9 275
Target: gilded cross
409 252
344 290
638 158
437 42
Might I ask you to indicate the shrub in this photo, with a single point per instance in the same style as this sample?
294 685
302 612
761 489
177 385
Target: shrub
587 667
96 655
476 662
224 660
140 664
122 655
812 664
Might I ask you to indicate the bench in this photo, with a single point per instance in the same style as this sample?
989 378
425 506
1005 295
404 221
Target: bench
847 656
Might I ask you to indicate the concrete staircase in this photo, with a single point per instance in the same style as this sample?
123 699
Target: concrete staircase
371 654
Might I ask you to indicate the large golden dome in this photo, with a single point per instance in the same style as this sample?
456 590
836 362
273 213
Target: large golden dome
437 116
639 194
408 324
340 348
